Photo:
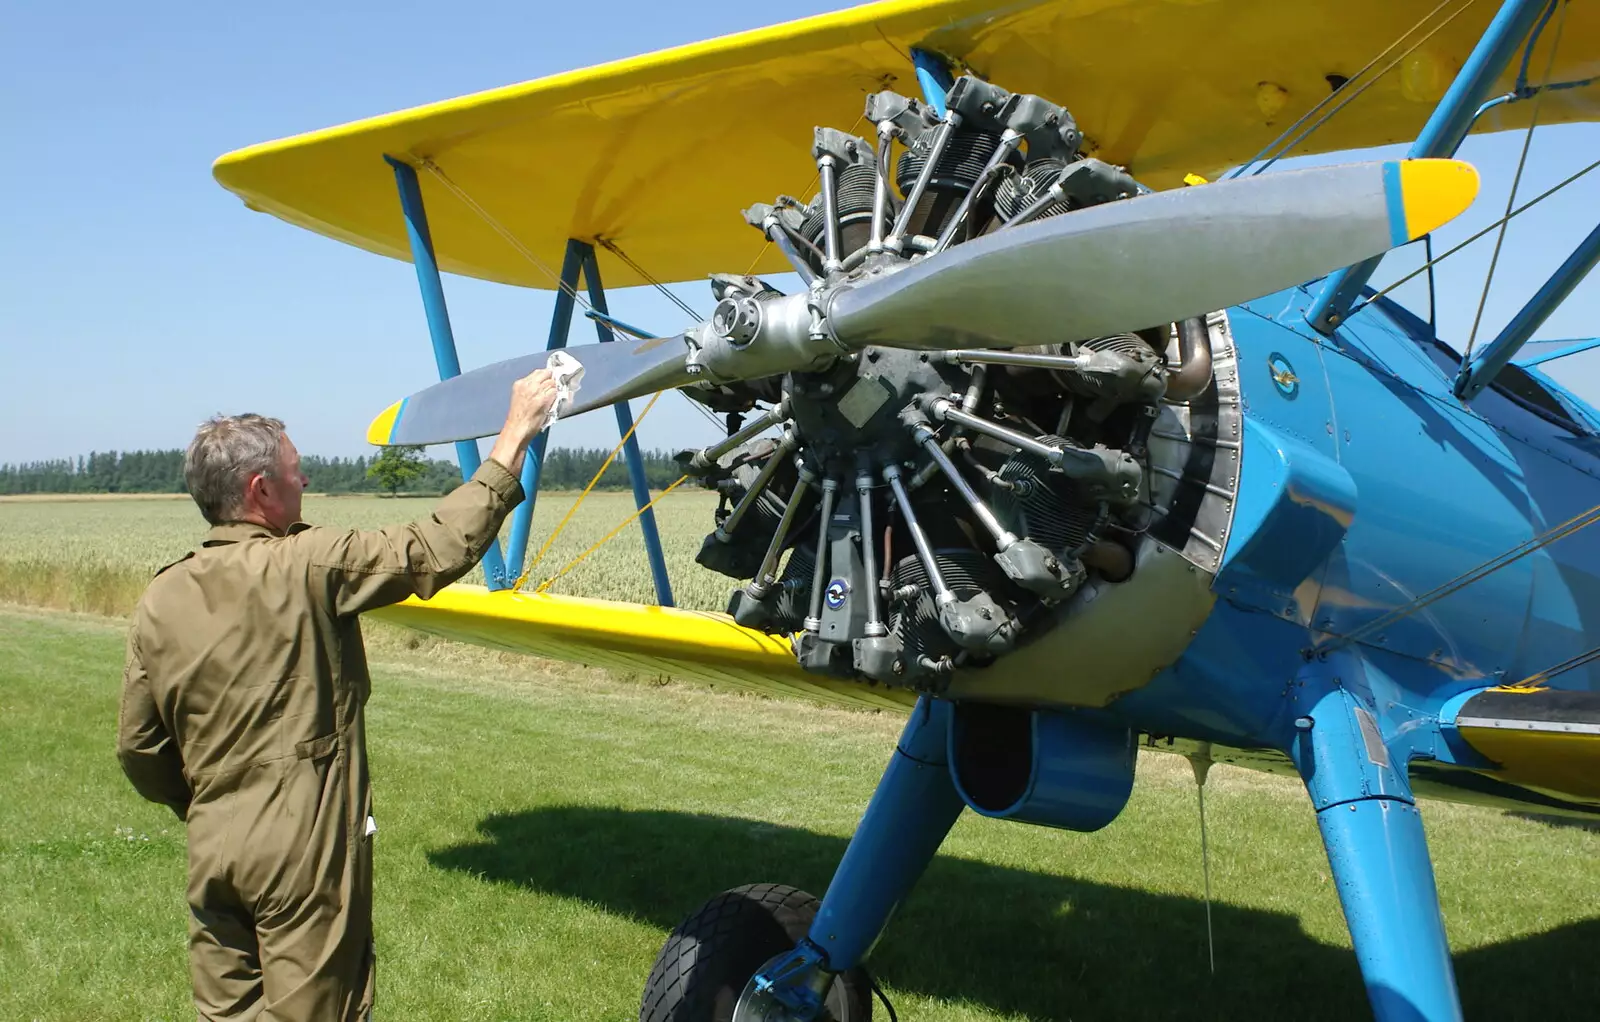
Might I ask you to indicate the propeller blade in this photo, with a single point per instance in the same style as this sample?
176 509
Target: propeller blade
1153 259
475 404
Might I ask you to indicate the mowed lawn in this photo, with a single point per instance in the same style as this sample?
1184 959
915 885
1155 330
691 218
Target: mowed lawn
541 828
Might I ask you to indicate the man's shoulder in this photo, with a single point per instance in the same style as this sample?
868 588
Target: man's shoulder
160 583
168 567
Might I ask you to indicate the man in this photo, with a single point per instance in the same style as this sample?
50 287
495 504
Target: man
242 709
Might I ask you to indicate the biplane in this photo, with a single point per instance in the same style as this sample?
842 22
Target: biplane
1075 432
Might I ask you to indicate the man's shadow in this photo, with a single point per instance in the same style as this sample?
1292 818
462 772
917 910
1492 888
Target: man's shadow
1037 946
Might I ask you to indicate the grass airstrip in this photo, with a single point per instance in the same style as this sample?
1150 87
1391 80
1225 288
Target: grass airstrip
542 827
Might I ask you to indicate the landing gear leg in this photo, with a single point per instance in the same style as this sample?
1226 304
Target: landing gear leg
1379 856
913 809
817 978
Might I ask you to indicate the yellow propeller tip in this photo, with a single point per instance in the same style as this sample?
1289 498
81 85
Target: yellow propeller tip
382 427
1430 193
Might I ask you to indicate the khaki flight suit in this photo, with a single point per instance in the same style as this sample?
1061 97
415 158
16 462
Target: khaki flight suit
242 710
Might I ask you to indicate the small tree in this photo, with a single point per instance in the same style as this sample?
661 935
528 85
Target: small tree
395 467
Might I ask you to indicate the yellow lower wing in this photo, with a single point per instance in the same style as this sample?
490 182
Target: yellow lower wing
685 644
1542 738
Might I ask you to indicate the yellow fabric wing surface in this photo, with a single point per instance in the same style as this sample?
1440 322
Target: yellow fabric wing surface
658 153
690 645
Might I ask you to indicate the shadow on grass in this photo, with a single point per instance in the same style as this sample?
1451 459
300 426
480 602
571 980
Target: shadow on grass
1553 820
1044 947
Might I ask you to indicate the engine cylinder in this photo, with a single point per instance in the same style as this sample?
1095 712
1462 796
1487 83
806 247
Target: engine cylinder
966 571
1041 504
857 184
789 602
1018 191
963 160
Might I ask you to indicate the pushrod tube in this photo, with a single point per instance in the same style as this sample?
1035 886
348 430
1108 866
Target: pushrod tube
952 121
767 575
827 167
830 493
941 593
1003 539
758 486
1033 208
1021 441
880 188
1065 363
1008 143
780 238
869 553
703 459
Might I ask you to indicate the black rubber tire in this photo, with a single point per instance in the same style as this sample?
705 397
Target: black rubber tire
707 961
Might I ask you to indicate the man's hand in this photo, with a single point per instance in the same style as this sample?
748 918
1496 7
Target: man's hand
531 398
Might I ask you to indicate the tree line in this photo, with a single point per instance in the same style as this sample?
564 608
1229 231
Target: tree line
565 468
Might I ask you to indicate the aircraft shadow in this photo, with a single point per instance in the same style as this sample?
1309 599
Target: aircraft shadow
1041 947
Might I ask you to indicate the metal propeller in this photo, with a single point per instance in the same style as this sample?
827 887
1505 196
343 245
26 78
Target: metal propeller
1124 265
475 404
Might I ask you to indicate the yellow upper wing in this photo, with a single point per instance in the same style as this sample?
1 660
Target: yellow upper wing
658 153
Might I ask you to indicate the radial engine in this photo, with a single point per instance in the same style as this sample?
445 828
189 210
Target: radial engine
920 511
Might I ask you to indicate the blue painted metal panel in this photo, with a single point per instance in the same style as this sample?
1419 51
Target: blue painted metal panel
444 341
912 810
533 465
1530 317
1441 136
1281 377
1558 468
1294 509
630 447
1440 494
1561 473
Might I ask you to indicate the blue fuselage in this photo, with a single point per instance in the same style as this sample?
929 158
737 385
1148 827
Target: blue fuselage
1365 484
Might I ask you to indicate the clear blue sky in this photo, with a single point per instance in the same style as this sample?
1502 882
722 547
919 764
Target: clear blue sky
137 296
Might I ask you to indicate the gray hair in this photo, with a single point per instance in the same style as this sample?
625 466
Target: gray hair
225 452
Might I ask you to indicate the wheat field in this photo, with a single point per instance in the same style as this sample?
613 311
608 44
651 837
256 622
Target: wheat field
96 555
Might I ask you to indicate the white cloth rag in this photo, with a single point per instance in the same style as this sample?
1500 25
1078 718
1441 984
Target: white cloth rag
568 373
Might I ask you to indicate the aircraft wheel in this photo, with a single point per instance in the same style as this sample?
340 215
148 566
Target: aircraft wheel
709 959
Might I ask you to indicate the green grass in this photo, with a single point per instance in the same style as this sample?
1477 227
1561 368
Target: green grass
542 827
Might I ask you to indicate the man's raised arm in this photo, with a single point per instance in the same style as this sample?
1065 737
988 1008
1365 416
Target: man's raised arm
365 569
